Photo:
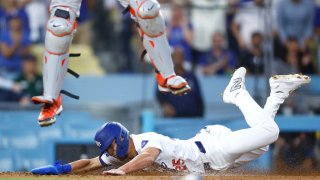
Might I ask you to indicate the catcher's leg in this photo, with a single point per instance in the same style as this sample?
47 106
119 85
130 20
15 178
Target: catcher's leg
60 29
152 30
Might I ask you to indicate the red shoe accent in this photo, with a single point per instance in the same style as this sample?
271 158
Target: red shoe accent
49 111
37 100
163 81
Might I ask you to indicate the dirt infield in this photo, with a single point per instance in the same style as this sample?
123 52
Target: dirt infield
29 176
155 175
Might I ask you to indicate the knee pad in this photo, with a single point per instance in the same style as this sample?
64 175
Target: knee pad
60 28
149 17
148 9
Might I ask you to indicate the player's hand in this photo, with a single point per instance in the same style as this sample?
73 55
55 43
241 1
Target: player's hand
114 172
55 169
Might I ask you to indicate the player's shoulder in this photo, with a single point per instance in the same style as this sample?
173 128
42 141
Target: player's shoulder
148 137
147 140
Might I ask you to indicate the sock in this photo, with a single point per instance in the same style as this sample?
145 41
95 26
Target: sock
272 105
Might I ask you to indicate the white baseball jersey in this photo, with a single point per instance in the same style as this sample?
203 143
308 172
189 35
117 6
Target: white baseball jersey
208 146
181 155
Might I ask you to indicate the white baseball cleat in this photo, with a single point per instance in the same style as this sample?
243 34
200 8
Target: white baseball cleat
282 85
235 85
176 85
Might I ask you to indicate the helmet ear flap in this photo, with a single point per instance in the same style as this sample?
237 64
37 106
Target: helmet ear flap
122 142
120 138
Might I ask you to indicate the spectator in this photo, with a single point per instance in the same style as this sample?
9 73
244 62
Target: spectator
219 60
127 34
252 58
296 151
9 91
26 85
13 45
295 19
12 8
207 18
37 19
29 80
179 31
299 60
230 14
249 20
190 105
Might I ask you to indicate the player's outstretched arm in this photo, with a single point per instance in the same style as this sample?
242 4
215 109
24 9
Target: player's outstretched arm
141 161
76 166
86 165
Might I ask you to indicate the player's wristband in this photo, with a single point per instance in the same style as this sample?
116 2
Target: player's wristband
66 168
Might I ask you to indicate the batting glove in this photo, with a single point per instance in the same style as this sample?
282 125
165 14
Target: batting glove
55 169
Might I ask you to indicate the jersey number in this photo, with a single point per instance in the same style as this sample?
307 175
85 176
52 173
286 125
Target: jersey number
179 165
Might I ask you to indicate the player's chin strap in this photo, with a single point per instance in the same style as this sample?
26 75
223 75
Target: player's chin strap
76 75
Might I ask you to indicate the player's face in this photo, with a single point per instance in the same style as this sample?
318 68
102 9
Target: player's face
217 40
29 67
15 24
112 149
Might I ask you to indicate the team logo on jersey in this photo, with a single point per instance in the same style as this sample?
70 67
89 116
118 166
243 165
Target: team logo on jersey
179 164
144 143
98 143
236 84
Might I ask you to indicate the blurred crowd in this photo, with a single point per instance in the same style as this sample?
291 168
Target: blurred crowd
214 36
207 37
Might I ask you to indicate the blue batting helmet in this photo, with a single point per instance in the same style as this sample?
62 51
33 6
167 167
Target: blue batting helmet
113 131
